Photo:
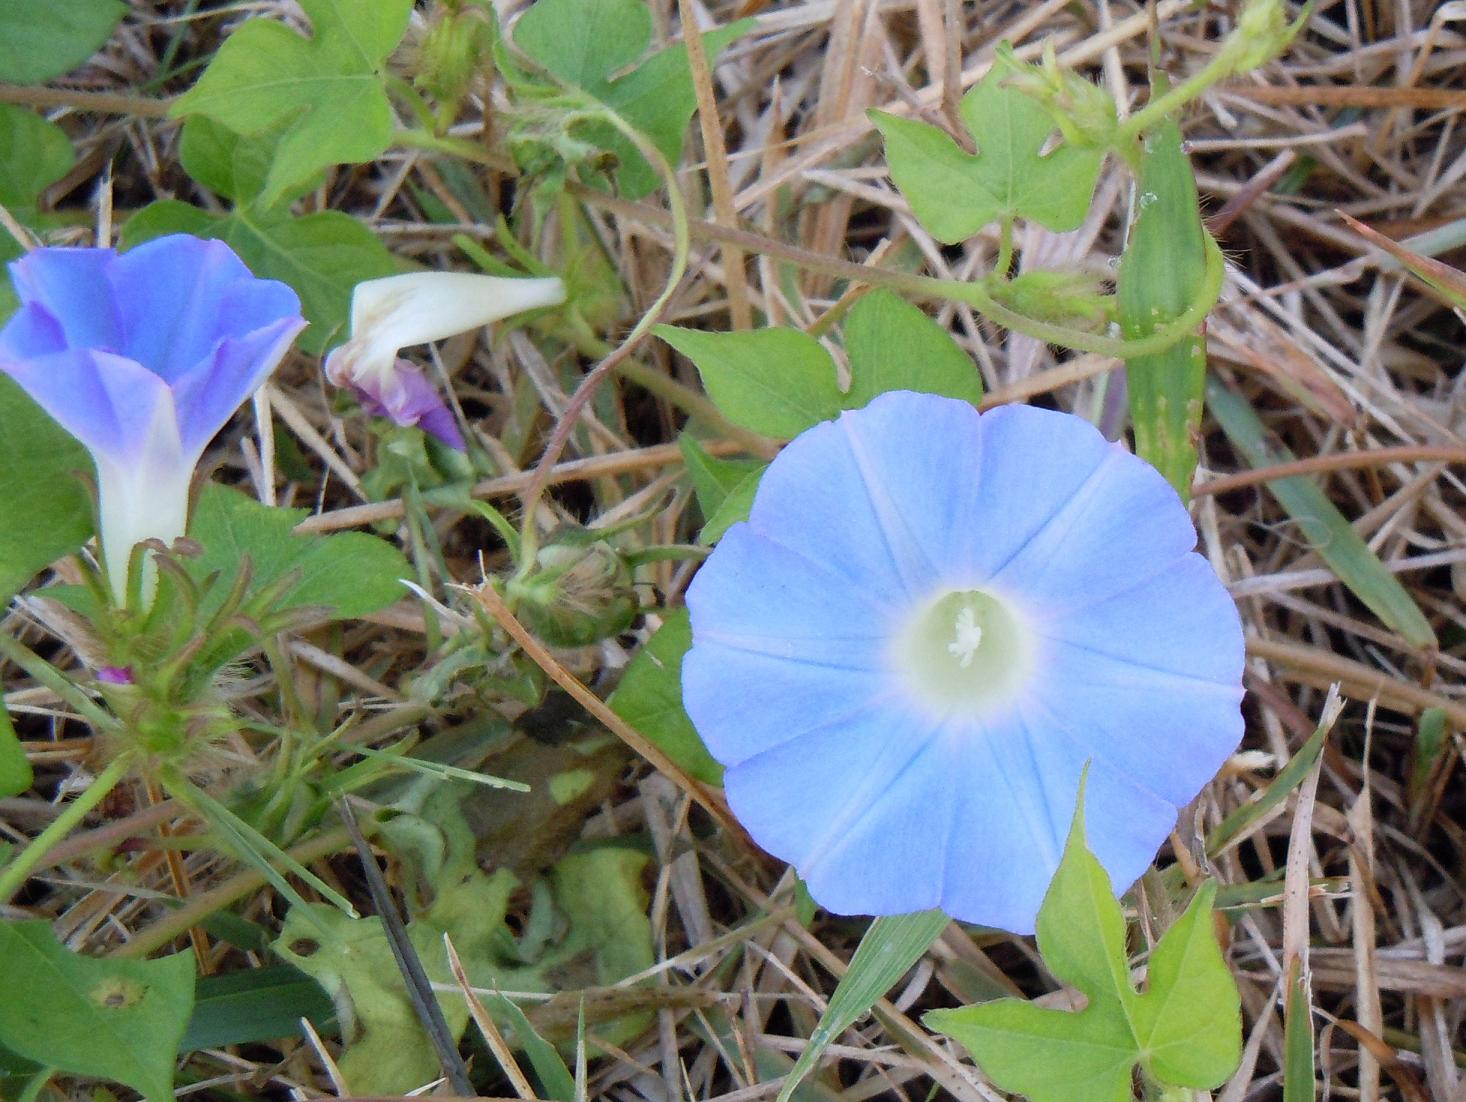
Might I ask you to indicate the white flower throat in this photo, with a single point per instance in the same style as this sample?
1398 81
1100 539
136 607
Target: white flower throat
965 651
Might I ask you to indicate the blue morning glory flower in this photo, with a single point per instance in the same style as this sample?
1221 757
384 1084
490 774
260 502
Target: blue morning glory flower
932 620
143 357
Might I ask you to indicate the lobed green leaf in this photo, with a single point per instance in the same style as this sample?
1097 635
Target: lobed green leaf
16 775
41 39
954 193
350 573
326 91
592 44
34 154
649 697
1185 1030
44 510
777 381
713 479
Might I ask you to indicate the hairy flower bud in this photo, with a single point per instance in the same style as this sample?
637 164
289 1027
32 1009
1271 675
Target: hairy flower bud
1082 110
579 592
452 53
1262 33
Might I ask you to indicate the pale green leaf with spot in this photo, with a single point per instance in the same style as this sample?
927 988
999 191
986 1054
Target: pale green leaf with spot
588 927
103 1018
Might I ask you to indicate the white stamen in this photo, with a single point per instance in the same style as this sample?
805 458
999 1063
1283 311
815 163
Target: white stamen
969 638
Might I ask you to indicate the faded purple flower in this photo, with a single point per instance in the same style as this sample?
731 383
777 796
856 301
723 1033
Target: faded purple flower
397 312
405 397
143 357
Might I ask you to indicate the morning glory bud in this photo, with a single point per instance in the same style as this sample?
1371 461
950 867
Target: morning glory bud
143 357
1263 32
453 52
578 592
397 312
1083 111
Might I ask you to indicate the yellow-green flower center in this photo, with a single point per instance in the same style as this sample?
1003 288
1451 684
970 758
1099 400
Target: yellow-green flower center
965 651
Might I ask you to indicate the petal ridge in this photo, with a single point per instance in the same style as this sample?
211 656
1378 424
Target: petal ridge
860 806
1064 512
890 521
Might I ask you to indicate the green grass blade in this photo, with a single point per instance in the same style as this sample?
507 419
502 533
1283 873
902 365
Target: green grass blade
1161 275
890 947
255 1004
556 1081
1298 1074
1342 548
1288 779
15 768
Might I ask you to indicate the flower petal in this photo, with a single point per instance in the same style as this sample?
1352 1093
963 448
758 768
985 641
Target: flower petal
1124 526
764 616
404 396
179 296
73 286
109 403
744 703
861 808
1180 621
1009 829
925 483
759 595
1033 462
875 487
208 393
31 331
1130 666
142 501
1168 731
400 311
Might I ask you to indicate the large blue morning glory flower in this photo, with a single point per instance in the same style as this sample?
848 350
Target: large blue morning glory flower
932 620
143 357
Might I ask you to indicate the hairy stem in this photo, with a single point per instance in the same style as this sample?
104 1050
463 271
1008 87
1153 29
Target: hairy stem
14 875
